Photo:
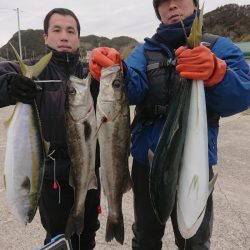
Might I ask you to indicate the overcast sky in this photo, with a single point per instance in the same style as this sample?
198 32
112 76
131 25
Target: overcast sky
110 18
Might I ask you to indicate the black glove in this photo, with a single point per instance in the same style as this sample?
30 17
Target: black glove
21 88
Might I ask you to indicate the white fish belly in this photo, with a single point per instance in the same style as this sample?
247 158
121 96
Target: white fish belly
193 191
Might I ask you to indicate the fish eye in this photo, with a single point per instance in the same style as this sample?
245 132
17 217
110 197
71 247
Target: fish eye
116 84
71 91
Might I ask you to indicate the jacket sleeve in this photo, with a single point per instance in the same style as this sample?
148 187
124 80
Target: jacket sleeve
232 94
5 69
136 76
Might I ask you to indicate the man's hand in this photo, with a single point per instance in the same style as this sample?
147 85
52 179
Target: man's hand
101 58
200 64
21 88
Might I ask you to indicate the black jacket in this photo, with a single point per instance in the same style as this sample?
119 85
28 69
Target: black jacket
51 103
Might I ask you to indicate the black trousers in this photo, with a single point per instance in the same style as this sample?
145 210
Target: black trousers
54 215
148 232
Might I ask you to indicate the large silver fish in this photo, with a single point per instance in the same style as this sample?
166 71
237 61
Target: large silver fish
113 122
193 186
81 139
25 153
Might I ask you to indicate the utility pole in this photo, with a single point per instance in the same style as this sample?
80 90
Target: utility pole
7 53
25 54
19 34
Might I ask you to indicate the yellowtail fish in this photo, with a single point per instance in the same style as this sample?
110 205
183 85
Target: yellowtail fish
25 152
193 186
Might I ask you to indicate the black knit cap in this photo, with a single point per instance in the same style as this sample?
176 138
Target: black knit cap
156 4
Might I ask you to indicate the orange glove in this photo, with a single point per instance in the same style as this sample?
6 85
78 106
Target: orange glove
200 64
101 58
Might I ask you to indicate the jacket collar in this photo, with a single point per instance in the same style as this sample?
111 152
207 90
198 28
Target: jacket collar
64 57
170 37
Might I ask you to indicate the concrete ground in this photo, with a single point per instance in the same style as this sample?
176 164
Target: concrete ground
231 198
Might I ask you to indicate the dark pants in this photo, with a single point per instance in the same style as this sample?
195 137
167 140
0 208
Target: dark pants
148 232
54 215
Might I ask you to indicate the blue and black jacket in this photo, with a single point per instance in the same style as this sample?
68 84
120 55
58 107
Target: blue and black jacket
230 96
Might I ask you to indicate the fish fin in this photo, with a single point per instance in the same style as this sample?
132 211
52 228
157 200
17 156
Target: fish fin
150 157
37 69
211 184
104 119
24 68
75 224
26 185
46 147
194 39
194 185
115 229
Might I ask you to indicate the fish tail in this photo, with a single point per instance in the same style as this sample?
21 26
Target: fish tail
75 224
34 70
115 229
23 67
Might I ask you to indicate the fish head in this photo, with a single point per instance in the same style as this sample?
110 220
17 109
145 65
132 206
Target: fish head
118 86
112 98
78 94
112 87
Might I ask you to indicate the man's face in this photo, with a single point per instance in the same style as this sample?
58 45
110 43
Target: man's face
173 11
62 33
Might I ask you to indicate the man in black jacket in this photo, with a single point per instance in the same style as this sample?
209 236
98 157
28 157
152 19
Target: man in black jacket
61 35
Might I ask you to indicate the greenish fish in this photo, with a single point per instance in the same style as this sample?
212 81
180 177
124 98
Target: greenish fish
165 162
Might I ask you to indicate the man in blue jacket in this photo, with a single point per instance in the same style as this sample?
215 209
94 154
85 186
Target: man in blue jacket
152 78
